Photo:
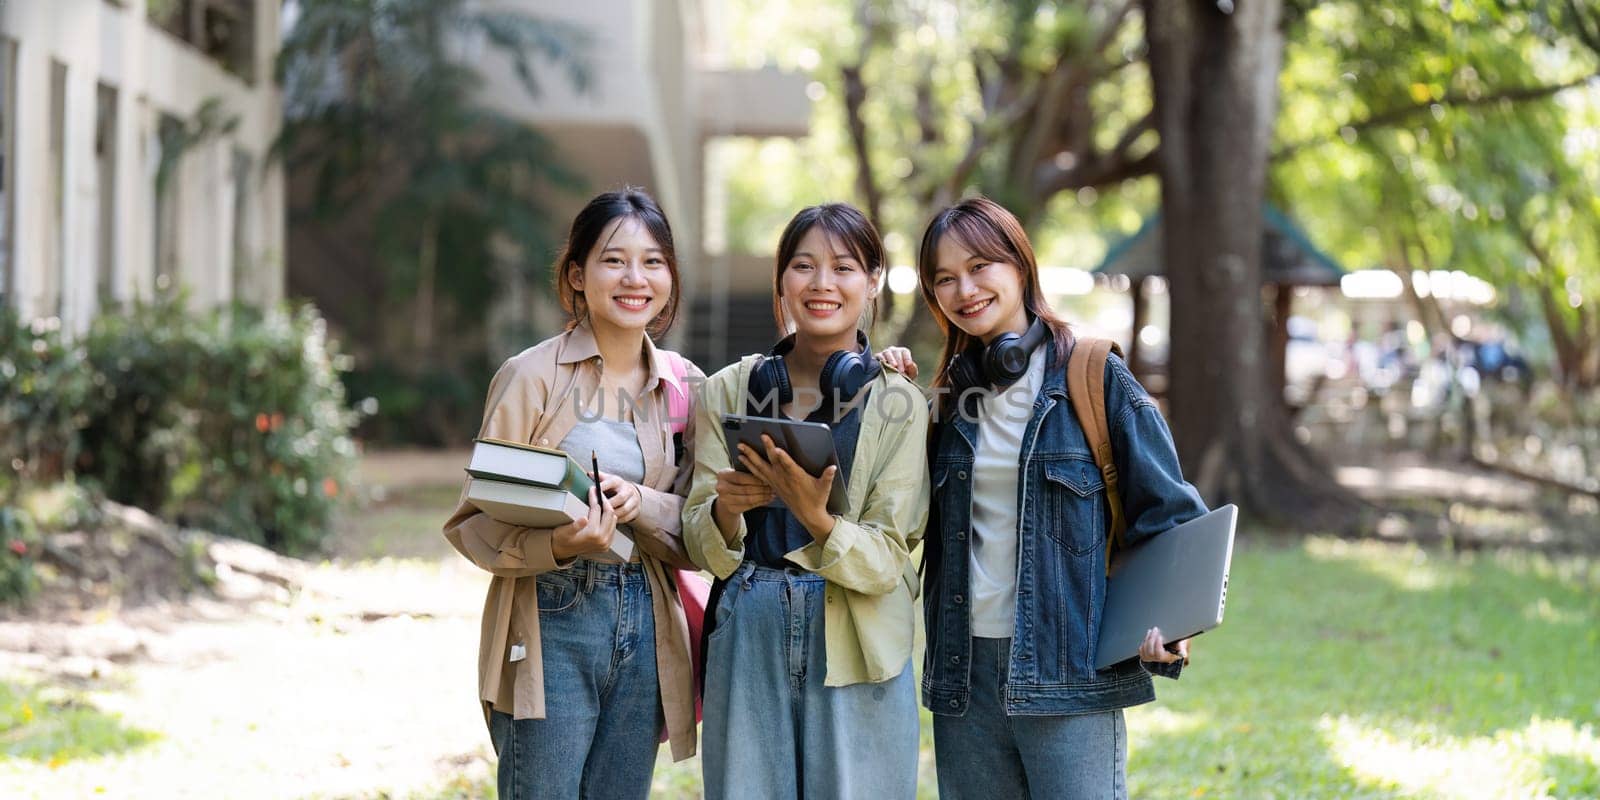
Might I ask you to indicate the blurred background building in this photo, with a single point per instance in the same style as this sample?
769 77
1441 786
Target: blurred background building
645 119
133 153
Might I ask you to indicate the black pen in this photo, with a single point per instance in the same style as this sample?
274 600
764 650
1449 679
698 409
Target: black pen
594 461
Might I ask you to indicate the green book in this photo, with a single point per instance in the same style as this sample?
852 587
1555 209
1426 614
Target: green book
513 462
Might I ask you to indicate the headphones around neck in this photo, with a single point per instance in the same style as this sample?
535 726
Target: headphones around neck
843 376
1000 363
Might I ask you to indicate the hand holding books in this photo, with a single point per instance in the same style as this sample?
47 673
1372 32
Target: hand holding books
539 487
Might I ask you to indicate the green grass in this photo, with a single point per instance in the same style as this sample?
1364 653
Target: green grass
55 726
404 525
1343 670
1369 670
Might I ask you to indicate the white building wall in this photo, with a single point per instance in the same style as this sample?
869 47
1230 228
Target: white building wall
153 73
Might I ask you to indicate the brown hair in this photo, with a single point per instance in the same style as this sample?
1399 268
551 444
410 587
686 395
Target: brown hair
841 220
990 232
628 202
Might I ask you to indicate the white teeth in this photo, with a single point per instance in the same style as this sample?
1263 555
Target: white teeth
976 307
822 306
634 302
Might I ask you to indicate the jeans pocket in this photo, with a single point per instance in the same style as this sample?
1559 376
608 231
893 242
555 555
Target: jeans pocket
557 593
723 613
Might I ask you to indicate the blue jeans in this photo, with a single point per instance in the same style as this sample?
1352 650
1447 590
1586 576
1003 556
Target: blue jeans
984 753
772 729
602 702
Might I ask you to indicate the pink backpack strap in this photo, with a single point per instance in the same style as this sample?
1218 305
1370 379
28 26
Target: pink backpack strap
677 393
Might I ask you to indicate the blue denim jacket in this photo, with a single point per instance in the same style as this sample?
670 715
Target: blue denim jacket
1061 549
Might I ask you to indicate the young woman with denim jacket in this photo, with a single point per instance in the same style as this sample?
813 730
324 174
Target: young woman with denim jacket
1016 563
585 657
808 686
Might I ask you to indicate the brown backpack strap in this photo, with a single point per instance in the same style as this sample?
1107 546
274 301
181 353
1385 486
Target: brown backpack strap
1086 381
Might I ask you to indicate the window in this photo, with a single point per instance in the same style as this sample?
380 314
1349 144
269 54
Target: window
55 264
8 126
168 184
242 165
222 29
105 157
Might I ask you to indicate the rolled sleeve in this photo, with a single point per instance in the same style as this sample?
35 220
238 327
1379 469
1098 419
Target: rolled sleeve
503 549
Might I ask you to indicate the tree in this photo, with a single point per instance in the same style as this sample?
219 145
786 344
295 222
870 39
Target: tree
1459 145
383 128
1047 107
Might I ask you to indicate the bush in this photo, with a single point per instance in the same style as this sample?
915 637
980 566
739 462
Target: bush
268 451
47 393
232 420
19 543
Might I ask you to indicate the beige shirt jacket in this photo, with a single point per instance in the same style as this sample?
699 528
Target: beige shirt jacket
534 398
870 599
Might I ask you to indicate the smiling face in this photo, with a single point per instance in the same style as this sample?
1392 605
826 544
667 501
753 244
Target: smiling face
824 288
980 296
625 280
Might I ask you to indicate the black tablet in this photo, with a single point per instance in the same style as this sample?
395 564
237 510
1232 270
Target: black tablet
810 444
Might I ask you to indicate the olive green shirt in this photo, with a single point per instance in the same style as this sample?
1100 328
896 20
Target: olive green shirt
871 583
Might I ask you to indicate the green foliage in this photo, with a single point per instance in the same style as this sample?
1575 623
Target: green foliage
233 420
1041 105
384 125
19 544
46 394
266 451
1415 139
143 357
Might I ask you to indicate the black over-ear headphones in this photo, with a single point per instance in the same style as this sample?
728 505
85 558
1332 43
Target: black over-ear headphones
1000 363
843 375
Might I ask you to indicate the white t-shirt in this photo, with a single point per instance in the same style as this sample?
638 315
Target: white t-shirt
1002 421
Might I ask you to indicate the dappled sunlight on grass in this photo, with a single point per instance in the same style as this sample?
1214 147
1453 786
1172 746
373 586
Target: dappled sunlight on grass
1542 610
1147 722
1336 665
1417 758
1406 566
56 726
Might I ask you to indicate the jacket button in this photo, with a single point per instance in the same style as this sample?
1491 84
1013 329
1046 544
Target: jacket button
544 442
961 475
955 659
958 599
961 536
954 703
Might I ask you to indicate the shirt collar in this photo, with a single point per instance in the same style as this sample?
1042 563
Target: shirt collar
582 346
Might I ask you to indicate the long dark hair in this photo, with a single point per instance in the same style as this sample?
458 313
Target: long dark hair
841 220
993 233
630 202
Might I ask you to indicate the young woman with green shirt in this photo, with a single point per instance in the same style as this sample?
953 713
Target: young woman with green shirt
808 684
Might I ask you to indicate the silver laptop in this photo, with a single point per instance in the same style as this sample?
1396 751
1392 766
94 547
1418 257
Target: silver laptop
1176 581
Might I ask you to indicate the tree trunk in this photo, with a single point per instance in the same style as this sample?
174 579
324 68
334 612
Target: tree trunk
1278 349
1141 318
427 266
1214 67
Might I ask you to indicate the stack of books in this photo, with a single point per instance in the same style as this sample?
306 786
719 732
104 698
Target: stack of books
538 487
